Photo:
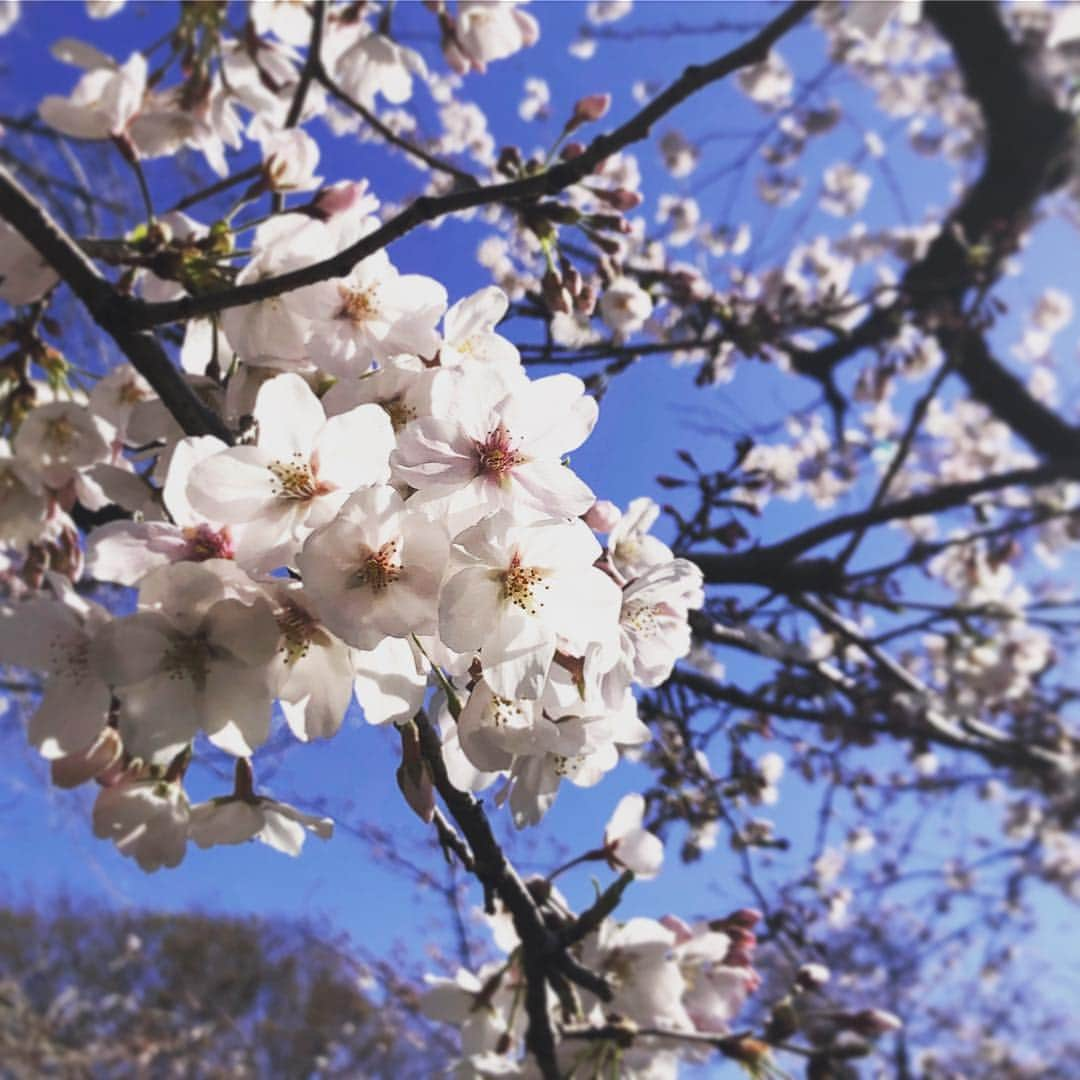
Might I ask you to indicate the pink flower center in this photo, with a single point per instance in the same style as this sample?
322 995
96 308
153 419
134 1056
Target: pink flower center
380 568
204 543
497 456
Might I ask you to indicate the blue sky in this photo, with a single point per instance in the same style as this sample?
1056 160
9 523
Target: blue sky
647 414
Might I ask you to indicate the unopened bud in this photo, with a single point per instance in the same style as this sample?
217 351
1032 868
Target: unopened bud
620 199
510 161
872 1022
585 301
747 918
605 243
555 296
783 1023
588 110
572 150
602 516
812 976
609 223
752 1052
338 198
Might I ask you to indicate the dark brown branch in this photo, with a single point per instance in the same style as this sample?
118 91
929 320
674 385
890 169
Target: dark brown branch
775 565
250 173
1028 154
499 878
143 350
427 208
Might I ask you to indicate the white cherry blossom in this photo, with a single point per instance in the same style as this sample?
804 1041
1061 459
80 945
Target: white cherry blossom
296 477
517 590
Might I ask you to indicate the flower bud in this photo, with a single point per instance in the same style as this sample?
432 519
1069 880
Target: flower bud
510 161
621 199
812 976
872 1022
589 109
602 516
572 150
555 296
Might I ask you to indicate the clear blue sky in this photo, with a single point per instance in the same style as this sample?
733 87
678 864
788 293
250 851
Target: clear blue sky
647 414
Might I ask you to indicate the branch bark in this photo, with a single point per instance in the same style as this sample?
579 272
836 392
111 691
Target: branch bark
142 315
145 352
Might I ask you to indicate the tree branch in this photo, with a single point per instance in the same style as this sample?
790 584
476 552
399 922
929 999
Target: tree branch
99 297
551 181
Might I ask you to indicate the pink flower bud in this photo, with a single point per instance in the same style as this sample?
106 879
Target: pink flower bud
602 516
339 198
873 1022
572 150
812 976
589 109
620 199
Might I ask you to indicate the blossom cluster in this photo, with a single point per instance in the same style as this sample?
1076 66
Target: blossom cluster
402 514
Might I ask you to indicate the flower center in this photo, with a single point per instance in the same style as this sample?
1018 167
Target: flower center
497 456
130 394
358 305
299 628
68 659
379 568
520 585
295 479
188 658
60 433
400 413
640 617
204 543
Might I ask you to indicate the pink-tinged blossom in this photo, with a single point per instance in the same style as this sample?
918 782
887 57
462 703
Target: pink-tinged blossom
517 590
625 306
375 570
54 637
314 672
60 438
146 819
653 622
390 680
716 965
469 333
375 64
24 503
632 549
487 30
299 474
234 820
195 656
484 457
627 844
535 780
374 312
274 332
126 551
104 100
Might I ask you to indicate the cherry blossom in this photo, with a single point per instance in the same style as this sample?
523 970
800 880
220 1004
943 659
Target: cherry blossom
296 477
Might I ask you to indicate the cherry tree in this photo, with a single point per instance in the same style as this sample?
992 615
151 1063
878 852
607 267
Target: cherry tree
302 472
